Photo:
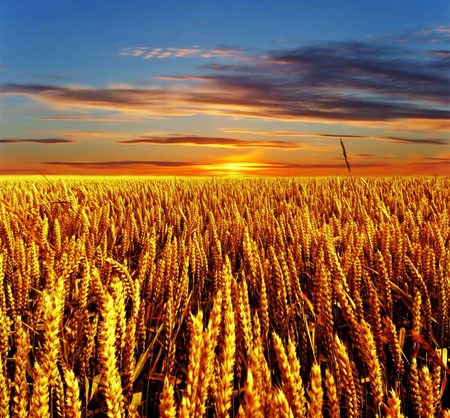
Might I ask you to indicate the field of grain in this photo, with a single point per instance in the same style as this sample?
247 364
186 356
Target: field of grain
225 297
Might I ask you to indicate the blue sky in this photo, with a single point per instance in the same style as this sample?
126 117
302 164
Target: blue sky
218 88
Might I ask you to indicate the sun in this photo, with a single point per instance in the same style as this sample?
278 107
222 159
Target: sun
233 169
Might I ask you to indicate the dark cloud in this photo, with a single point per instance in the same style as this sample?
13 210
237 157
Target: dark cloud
444 164
442 159
36 141
397 139
210 141
352 81
357 69
416 141
341 136
373 156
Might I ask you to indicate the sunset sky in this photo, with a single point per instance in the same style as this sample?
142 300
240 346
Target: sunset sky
224 87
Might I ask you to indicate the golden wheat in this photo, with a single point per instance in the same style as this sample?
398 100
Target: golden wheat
224 297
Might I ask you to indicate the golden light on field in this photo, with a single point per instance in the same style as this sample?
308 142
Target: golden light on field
234 169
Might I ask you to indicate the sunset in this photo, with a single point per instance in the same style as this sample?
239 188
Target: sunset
225 209
188 88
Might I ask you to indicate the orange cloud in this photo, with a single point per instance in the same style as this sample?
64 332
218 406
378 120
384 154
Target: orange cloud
212 97
217 142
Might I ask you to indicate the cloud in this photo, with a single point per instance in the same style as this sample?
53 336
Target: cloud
378 164
214 165
376 71
120 164
36 141
415 141
210 142
224 52
151 101
350 82
324 165
439 157
365 155
440 53
195 168
79 118
292 134
77 135
428 35
396 139
195 51
435 34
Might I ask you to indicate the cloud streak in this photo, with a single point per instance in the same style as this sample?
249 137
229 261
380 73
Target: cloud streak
231 168
217 142
108 165
36 141
205 167
392 139
79 118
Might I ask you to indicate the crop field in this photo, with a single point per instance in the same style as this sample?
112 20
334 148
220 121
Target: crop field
315 297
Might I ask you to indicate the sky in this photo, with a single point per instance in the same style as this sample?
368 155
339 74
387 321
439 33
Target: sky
225 88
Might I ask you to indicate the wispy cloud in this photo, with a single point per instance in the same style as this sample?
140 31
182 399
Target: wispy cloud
356 83
440 53
195 51
36 141
80 135
207 141
79 118
438 34
434 34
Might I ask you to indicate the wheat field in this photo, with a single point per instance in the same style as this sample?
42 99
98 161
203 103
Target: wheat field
315 297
